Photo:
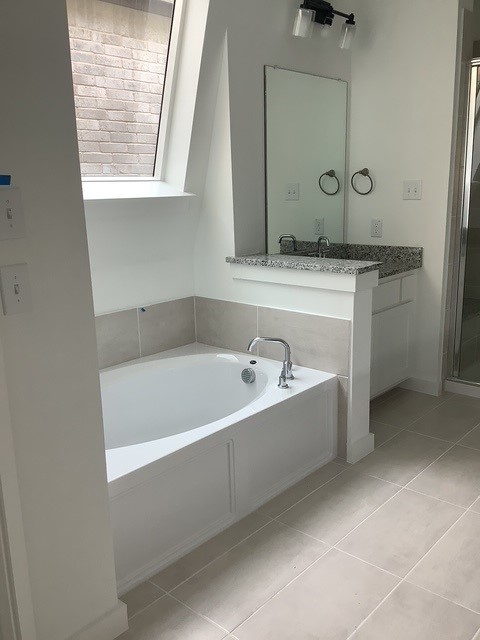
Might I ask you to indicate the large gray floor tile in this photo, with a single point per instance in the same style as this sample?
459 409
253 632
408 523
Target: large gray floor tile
455 477
410 613
176 573
328 601
333 510
383 432
235 585
291 496
404 408
401 531
402 458
450 421
476 506
472 439
452 568
140 597
167 619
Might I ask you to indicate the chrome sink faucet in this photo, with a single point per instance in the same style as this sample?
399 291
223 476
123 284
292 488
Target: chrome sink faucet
323 241
288 236
286 373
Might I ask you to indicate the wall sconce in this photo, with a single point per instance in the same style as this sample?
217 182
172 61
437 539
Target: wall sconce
323 13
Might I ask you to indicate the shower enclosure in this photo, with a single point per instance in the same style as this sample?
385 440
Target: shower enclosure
465 366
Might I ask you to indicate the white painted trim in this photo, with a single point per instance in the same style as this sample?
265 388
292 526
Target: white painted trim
16 552
431 387
361 448
313 279
107 627
169 88
463 388
95 190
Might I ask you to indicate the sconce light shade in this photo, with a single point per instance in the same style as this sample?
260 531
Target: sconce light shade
303 27
348 34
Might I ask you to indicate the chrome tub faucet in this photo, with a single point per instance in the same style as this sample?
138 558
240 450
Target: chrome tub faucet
286 373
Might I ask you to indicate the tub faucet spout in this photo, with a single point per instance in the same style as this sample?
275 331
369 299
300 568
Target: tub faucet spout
286 373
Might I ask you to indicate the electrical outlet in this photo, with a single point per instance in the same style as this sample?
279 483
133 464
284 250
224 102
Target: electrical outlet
376 229
412 190
12 223
319 226
292 191
15 289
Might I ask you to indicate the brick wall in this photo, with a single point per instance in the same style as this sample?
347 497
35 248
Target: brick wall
118 63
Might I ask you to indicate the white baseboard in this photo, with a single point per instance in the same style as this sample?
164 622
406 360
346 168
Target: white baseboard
431 387
361 448
463 388
108 627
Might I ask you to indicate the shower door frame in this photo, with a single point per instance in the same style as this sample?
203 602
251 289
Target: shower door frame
474 76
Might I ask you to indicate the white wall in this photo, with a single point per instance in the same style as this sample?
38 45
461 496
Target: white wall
141 252
232 215
50 355
402 109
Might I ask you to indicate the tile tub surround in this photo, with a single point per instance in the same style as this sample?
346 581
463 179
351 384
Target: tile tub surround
317 342
134 333
393 259
398 562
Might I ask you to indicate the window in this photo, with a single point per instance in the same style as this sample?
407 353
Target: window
119 51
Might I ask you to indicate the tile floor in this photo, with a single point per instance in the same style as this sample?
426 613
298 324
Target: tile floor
388 548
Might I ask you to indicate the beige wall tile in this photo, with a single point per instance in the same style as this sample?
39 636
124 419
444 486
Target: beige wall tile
117 337
166 326
225 324
316 341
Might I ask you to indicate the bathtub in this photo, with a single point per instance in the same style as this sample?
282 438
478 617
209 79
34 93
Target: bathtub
191 448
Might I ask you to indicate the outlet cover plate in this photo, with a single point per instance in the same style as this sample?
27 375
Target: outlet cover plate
376 229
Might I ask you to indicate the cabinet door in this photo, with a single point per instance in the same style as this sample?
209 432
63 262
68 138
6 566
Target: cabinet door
391 347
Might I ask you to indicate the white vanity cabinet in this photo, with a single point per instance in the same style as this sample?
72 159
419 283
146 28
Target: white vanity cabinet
392 332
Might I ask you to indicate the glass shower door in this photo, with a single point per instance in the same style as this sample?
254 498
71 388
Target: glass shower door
466 364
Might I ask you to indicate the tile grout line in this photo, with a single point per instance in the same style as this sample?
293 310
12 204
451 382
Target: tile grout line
320 486
422 415
270 520
200 615
405 579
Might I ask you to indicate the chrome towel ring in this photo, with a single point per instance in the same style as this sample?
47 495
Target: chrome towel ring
330 174
366 173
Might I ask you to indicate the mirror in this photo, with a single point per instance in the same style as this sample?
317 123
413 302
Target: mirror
305 133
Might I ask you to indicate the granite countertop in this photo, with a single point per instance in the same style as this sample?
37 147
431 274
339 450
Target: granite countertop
352 259
306 263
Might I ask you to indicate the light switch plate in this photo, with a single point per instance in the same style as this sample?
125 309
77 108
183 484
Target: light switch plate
15 289
412 190
292 191
12 220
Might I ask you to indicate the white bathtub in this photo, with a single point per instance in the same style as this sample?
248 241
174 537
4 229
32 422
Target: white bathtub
191 448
